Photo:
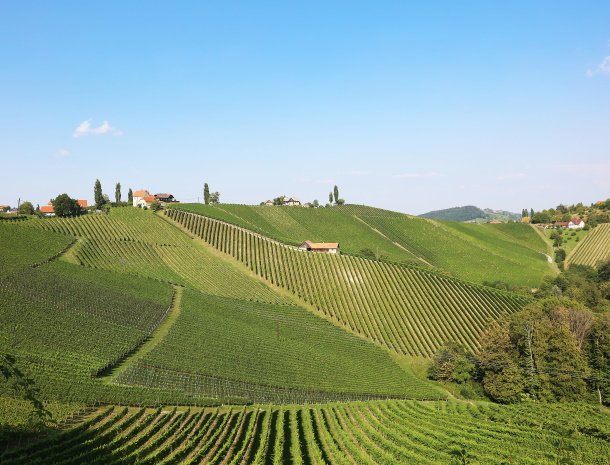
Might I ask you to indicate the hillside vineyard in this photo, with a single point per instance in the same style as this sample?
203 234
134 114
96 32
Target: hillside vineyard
408 310
593 249
343 434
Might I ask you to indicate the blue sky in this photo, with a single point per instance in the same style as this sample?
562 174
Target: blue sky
406 106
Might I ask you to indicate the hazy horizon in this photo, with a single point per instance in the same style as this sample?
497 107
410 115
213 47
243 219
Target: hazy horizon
406 107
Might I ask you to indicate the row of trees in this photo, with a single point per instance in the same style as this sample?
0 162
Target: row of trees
333 197
596 213
556 349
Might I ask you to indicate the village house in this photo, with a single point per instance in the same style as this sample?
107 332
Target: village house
4 208
165 198
292 202
576 223
138 196
321 247
268 203
561 224
146 201
49 210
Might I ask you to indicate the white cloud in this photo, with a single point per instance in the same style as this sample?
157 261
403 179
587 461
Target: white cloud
604 66
427 174
85 128
63 152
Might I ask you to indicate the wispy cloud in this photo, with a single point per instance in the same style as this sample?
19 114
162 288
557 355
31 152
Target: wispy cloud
63 152
324 181
358 173
85 128
425 174
603 68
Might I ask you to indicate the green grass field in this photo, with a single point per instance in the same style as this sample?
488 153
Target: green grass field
512 253
370 433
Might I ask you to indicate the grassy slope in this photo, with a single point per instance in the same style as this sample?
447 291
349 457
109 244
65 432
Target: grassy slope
509 253
281 347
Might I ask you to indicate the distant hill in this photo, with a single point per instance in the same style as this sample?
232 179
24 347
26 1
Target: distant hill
470 213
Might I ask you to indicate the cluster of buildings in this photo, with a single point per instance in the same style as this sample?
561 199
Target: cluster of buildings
574 223
49 209
143 199
286 201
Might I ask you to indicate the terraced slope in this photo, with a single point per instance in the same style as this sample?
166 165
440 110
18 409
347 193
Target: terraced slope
512 253
259 352
134 241
344 434
409 311
593 249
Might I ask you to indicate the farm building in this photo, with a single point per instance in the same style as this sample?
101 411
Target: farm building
292 202
145 201
47 210
4 208
138 196
322 247
268 203
165 198
576 223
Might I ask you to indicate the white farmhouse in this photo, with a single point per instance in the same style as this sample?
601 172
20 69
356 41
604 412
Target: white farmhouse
138 197
576 223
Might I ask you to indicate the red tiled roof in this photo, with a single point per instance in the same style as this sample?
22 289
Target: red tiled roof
575 220
149 198
47 209
141 193
83 203
320 245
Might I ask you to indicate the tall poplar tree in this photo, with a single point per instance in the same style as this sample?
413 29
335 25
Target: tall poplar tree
206 194
130 196
117 193
336 194
330 198
98 196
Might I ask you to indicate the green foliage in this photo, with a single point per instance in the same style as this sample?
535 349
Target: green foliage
156 206
98 196
336 194
206 194
560 255
117 193
452 363
539 353
65 206
214 198
130 197
26 208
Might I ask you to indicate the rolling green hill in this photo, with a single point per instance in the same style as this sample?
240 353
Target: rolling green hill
284 354
476 253
408 310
